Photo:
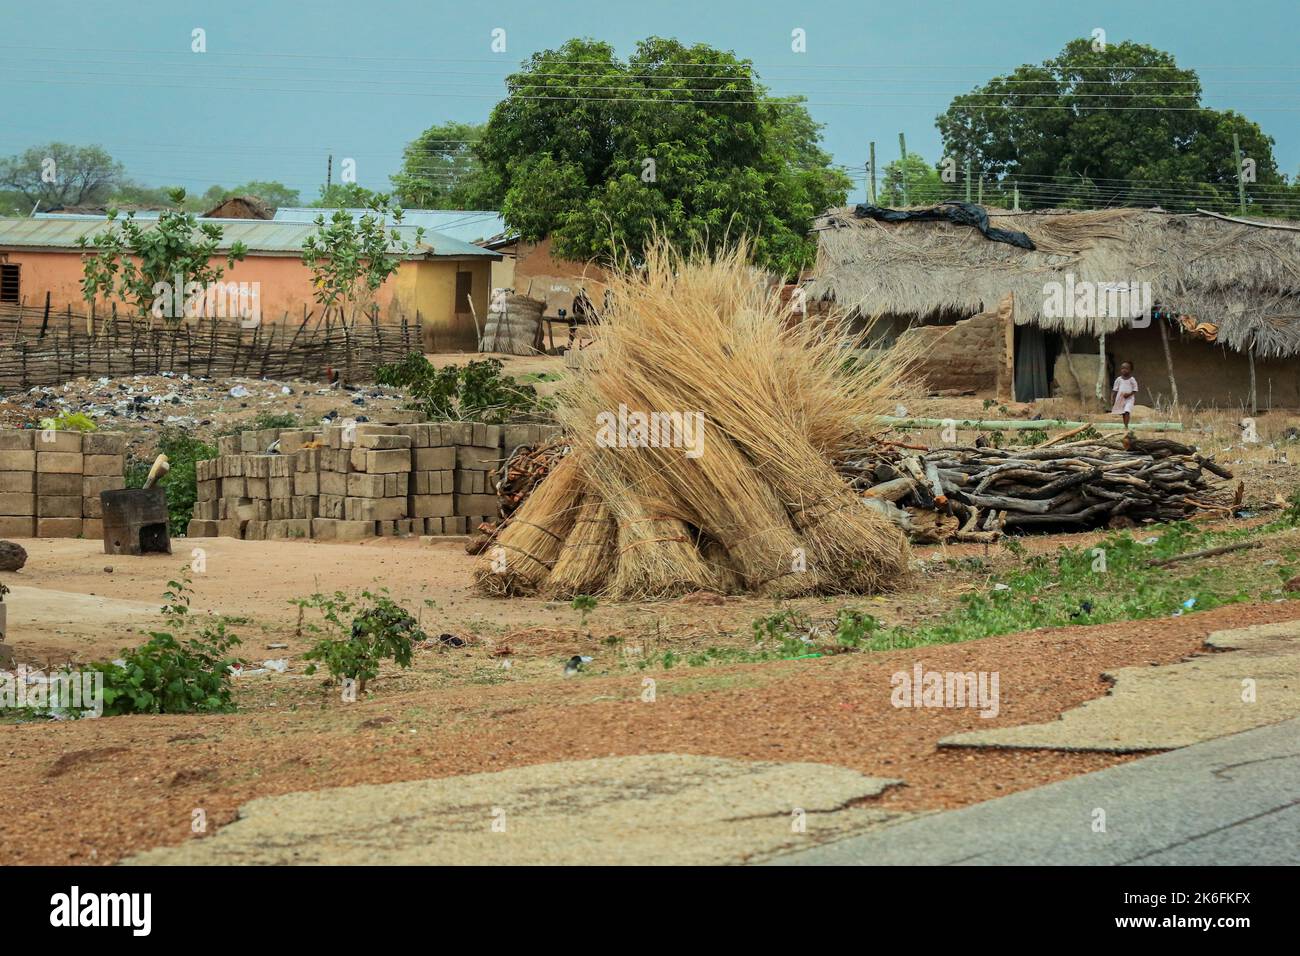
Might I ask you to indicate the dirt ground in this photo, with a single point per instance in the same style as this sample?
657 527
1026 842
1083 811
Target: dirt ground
72 603
94 791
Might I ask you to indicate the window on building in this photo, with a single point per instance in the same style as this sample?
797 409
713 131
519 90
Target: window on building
9 285
464 289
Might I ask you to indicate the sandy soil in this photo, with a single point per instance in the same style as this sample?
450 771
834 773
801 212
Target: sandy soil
93 791
72 602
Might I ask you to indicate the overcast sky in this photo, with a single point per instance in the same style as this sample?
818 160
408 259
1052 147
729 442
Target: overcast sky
284 84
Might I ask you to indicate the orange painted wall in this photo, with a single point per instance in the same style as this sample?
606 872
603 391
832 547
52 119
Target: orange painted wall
285 287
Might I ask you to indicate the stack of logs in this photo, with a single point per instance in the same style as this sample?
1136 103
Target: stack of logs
976 493
524 469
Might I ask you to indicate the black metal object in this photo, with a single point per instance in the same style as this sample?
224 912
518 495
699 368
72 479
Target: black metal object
135 521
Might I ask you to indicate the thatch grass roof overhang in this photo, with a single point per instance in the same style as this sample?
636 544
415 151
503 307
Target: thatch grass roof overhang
1242 276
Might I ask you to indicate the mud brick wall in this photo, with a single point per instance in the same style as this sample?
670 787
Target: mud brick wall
50 481
349 482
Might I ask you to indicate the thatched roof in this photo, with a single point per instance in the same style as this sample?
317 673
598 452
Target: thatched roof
241 207
1245 277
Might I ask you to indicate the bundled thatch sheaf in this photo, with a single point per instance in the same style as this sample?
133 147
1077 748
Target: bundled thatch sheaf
744 495
1244 278
529 544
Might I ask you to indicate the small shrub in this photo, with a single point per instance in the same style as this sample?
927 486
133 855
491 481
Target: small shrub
378 629
584 604
182 451
475 392
258 422
70 422
171 673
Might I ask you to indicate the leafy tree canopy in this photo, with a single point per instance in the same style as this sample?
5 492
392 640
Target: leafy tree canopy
598 153
59 174
924 186
130 261
350 258
347 196
274 194
440 170
1118 124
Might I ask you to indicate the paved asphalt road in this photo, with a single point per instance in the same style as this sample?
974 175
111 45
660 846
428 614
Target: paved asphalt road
1230 801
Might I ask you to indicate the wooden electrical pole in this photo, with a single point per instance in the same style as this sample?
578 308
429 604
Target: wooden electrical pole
871 176
902 169
1241 182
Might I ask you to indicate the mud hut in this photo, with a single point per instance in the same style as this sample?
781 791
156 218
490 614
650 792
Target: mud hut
1207 307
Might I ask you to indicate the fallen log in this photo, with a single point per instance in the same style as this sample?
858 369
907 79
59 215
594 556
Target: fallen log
1204 553
1070 485
1021 424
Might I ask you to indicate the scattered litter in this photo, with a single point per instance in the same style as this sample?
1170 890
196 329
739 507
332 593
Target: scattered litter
279 665
574 664
239 670
239 391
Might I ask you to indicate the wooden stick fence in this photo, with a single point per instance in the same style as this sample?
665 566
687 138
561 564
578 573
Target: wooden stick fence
38 347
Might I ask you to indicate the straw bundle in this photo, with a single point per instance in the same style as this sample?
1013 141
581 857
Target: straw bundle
731 485
655 555
587 553
527 547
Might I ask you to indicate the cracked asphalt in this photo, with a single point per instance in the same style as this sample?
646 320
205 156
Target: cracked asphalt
1231 801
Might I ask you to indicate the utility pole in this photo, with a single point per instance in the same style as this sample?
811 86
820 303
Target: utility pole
968 179
902 169
1241 182
871 178
981 196
1016 200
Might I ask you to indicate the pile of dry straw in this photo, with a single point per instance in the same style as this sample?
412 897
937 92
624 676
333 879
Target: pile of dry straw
752 503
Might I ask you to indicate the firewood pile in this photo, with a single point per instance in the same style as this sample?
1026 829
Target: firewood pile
524 470
977 493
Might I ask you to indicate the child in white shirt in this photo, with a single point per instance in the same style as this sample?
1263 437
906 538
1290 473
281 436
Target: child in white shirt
1123 391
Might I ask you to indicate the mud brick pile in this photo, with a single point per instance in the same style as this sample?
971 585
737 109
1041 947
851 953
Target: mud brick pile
50 481
349 482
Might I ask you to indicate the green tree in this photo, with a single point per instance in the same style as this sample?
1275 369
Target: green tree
350 258
440 170
924 184
59 174
345 196
1122 124
127 192
132 261
599 154
274 194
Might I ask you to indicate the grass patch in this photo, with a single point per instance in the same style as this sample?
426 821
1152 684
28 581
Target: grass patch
1101 583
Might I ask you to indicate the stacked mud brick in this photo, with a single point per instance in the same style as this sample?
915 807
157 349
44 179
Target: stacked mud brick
348 482
50 481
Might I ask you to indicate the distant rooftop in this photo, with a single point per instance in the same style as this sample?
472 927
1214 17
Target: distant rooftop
61 231
467 225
